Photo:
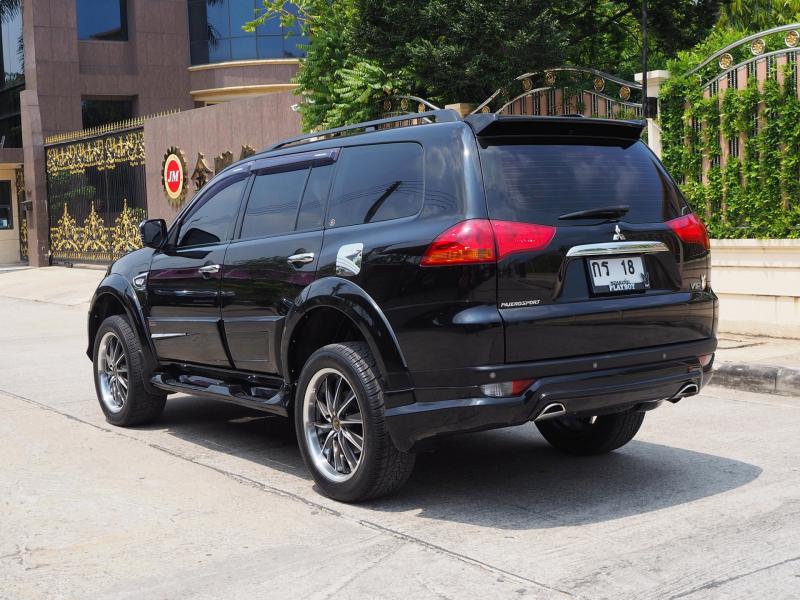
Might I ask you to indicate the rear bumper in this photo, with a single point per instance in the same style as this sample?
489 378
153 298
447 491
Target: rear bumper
608 383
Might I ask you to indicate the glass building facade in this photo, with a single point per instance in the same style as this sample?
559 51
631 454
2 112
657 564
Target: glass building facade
216 34
13 83
102 19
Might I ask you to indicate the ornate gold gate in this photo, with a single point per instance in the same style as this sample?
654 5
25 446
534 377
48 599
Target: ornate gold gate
22 211
96 192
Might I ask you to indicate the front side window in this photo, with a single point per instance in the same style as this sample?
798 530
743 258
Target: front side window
211 222
272 207
102 19
6 210
377 183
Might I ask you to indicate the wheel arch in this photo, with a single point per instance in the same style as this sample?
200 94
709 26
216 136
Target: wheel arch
340 305
115 296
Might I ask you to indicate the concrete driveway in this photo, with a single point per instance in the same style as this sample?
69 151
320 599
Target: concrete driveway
213 500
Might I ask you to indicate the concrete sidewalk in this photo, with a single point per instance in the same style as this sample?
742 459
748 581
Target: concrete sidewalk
758 364
754 364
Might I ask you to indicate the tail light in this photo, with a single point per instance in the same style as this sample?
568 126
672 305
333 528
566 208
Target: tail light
705 359
468 242
483 241
514 237
507 388
691 230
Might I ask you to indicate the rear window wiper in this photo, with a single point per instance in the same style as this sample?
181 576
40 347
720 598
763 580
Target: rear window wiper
603 212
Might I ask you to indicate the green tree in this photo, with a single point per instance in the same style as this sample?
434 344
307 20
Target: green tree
607 34
758 15
460 50
338 84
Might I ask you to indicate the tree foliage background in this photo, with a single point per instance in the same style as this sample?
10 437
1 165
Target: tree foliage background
463 50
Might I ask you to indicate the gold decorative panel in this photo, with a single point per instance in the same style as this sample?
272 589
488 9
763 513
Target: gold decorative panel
96 195
94 240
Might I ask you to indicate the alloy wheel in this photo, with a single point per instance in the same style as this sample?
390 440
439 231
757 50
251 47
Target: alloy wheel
112 372
333 425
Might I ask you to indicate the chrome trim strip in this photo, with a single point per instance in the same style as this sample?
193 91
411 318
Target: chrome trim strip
617 248
166 336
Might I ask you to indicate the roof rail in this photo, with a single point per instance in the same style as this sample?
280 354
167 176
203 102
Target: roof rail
444 115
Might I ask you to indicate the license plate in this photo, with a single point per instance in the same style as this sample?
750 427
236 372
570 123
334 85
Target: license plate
617 274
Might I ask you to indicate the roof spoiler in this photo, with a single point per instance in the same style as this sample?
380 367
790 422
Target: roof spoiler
492 125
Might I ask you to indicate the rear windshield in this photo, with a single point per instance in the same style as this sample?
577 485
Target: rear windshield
538 182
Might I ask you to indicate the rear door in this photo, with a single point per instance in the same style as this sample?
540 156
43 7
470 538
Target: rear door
274 255
618 273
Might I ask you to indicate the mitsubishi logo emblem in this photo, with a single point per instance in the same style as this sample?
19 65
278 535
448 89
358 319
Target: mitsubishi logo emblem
618 235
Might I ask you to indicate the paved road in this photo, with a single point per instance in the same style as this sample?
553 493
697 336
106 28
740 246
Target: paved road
213 501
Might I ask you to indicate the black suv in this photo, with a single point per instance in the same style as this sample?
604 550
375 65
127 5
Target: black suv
395 281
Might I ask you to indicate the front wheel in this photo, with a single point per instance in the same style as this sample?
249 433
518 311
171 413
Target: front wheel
119 376
341 430
591 435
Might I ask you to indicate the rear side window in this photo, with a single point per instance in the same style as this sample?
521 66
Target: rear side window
377 183
272 206
537 183
311 209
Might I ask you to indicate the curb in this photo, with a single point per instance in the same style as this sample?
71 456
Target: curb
764 379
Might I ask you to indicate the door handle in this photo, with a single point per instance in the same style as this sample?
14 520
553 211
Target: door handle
208 270
303 258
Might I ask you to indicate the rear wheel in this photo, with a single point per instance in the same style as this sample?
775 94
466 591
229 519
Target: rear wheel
591 435
339 418
119 376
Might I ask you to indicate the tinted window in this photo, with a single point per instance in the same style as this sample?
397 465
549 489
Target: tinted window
102 20
310 216
100 112
6 210
272 207
539 182
212 221
377 183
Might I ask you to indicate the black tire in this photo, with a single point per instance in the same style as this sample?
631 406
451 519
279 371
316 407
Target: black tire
582 437
382 468
140 405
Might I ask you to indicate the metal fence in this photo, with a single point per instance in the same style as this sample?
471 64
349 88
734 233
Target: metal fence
96 192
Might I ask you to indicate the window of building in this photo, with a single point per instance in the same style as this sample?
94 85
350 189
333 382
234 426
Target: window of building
100 112
273 203
102 19
6 208
211 222
377 183
13 82
216 34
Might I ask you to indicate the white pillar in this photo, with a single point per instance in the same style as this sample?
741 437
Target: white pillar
654 81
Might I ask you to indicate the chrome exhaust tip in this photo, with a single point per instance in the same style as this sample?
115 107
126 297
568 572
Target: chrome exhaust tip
690 389
552 411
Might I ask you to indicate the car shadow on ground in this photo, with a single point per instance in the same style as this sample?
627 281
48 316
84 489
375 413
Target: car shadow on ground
508 478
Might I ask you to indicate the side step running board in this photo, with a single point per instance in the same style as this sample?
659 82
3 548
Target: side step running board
259 398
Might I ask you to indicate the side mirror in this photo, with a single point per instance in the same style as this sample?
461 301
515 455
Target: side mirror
153 232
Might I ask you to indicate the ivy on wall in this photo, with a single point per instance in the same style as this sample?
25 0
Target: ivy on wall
754 195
